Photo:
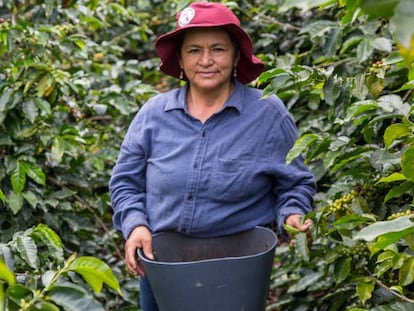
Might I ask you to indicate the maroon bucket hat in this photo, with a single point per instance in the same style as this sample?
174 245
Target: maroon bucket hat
208 14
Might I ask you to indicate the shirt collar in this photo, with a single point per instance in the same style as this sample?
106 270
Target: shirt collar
178 100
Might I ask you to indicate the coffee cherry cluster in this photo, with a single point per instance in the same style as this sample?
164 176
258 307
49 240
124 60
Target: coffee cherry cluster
360 250
399 214
343 203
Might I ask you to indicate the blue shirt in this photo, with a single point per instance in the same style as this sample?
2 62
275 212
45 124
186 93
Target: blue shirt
209 179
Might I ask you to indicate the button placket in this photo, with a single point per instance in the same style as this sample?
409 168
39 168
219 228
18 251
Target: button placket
193 183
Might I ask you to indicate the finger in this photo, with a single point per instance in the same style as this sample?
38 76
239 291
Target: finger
305 226
131 259
147 249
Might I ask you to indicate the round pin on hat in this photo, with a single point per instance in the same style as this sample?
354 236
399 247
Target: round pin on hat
186 16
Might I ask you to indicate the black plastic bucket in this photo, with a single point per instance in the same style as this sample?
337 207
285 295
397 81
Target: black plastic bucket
229 273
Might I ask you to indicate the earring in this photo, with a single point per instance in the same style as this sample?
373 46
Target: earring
181 74
235 72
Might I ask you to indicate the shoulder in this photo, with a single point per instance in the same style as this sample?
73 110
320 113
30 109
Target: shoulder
159 103
160 100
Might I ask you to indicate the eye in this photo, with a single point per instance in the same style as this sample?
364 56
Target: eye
193 51
218 49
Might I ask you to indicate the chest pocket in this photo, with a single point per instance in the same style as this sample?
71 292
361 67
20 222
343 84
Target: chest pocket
232 179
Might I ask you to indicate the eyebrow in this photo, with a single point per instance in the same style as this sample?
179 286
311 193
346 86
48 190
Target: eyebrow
200 45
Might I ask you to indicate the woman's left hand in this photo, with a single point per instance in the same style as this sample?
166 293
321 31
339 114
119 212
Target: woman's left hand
295 221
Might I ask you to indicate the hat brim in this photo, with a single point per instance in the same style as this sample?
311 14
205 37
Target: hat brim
249 66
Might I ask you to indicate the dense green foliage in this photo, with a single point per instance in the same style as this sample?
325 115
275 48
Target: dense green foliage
72 75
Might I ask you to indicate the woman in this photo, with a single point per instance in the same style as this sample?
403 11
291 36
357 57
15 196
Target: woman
207 159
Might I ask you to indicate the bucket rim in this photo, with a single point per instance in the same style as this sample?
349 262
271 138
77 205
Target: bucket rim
210 260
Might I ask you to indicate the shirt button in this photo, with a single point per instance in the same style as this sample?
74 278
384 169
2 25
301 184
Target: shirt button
190 197
203 134
195 165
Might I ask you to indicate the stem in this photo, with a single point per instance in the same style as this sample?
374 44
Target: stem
39 295
380 283
263 17
97 218
102 224
407 95
2 300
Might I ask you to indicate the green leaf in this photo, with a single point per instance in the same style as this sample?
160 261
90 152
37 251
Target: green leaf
350 157
95 272
391 178
382 267
379 8
301 246
305 281
31 197
387 239
27 250
93 23
399 190
73 298
394 103
382 44
31 111
365 289
407 163
342 269
270 74
45 85
349 222
361 107
18 178
2 297
58 149
2 197
51 240
291 230
364 50
379 228
406 275
34 172
46 306
4 99
43 105
409 239
6 274
403 21
397 306
302 4
15 201
396 131
300 145
331 90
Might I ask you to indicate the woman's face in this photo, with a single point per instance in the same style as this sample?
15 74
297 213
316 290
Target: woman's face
208 58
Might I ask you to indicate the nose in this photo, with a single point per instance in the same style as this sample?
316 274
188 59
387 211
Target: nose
205 58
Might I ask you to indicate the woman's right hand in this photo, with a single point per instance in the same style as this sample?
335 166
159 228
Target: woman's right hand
140 237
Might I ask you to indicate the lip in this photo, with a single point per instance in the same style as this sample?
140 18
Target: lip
207 73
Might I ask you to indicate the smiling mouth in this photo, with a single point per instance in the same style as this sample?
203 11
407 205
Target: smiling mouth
207 73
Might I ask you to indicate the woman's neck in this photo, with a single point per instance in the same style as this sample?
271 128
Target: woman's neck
202 104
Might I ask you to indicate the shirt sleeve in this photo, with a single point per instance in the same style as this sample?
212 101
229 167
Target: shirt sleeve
127 185
294 183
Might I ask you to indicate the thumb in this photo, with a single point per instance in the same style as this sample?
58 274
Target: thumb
305 225
147 249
